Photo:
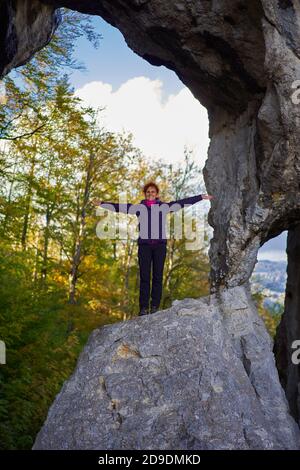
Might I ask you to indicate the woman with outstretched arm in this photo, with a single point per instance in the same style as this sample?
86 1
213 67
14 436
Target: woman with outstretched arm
152 250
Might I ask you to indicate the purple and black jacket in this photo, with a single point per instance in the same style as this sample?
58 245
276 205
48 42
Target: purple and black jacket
143 212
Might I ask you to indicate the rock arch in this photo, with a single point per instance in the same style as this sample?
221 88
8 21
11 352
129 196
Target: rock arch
241 59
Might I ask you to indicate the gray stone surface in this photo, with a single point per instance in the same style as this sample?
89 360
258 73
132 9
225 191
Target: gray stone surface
199 375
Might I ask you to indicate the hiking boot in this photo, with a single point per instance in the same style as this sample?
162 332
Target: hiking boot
153 309
144 311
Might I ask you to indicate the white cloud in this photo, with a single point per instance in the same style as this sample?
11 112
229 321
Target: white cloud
161 128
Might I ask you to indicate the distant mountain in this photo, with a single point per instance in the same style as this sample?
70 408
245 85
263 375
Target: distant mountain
269 277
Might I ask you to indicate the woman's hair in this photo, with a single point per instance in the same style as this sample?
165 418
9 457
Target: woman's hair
151 183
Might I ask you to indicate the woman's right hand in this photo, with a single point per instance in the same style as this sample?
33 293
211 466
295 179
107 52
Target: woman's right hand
96 202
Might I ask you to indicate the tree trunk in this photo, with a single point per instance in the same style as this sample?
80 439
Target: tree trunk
77 256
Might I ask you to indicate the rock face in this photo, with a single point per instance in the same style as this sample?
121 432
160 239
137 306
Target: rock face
241 59
26 27
199 375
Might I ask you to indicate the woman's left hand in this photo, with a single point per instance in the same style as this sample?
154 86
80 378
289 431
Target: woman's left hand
207 196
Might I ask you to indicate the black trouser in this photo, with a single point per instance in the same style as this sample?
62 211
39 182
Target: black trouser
155 254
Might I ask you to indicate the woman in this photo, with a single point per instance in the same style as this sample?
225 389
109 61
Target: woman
152 249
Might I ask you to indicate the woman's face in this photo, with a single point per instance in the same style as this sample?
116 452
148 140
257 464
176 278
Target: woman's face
151 193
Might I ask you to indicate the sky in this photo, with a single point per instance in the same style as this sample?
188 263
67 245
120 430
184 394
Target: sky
149 101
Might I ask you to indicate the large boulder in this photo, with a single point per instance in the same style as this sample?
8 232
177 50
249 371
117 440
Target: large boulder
199 375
